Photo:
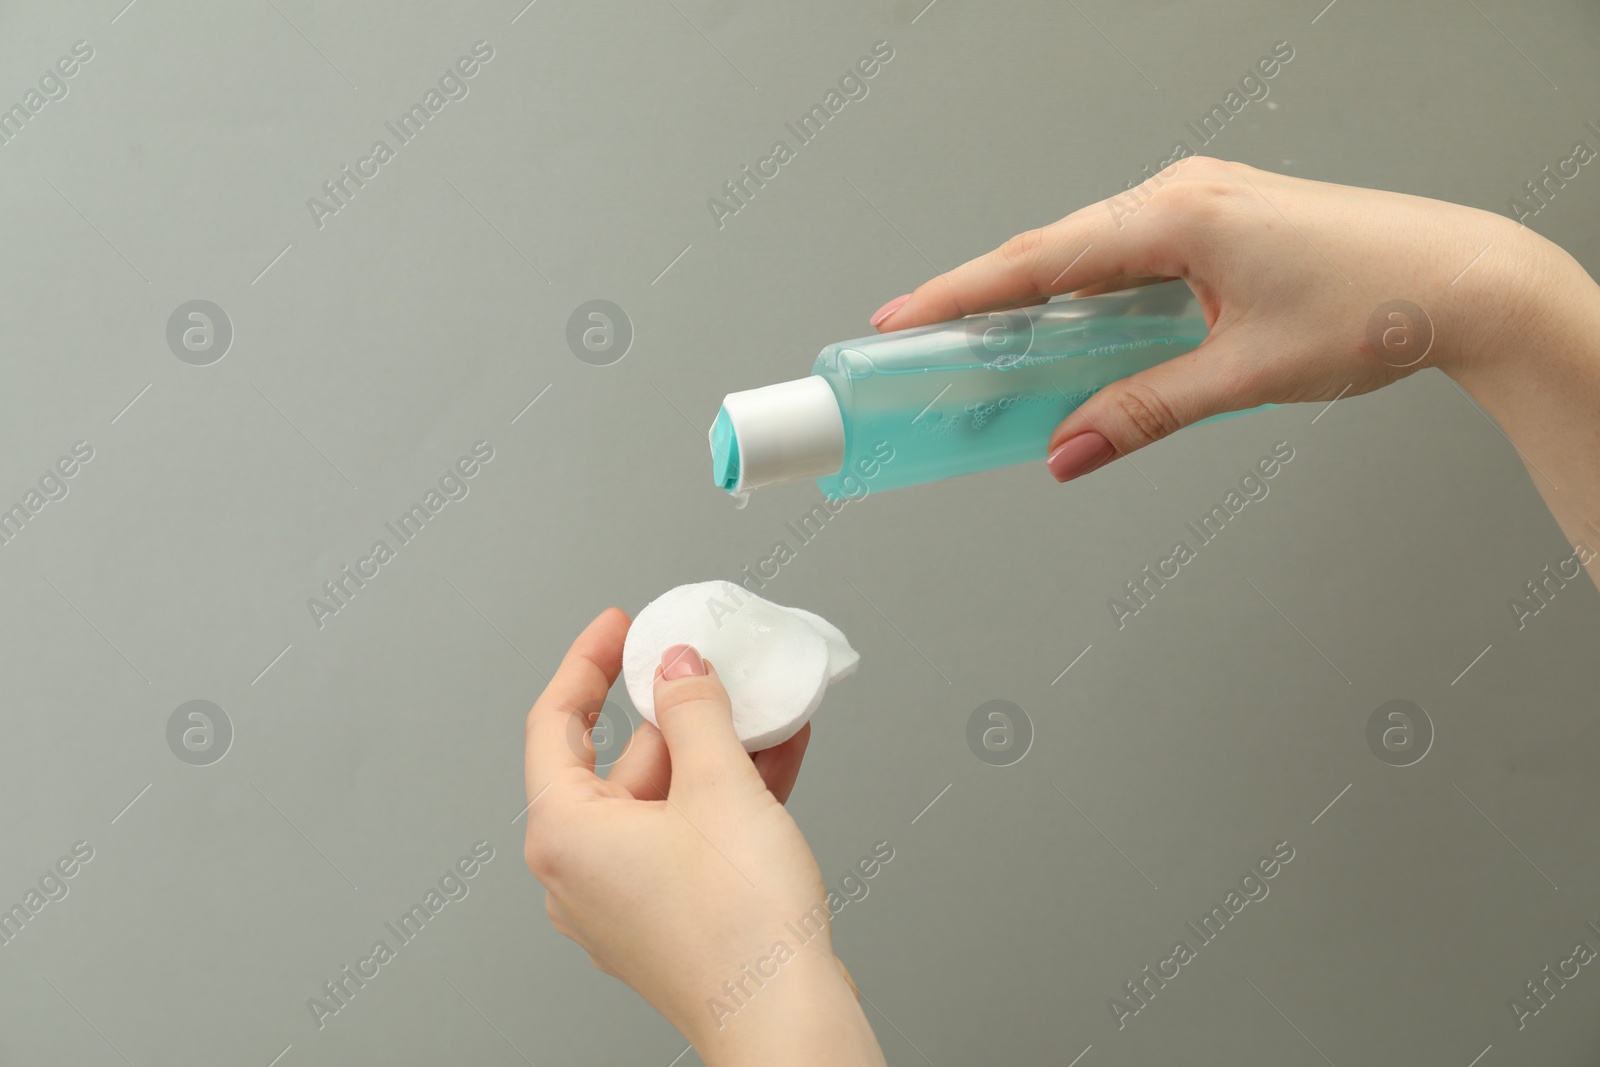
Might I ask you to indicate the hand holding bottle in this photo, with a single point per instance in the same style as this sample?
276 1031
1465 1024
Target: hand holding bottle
1299 282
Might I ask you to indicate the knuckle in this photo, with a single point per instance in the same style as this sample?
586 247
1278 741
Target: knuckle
1145 412
557 916
559 713
1205 193
692 690
1177 167
1193 198
1023 248
1206 166
533 856
544 854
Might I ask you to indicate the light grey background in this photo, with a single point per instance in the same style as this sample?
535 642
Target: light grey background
370 353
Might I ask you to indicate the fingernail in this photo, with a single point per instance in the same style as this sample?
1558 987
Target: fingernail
888 309
1078 455
680 661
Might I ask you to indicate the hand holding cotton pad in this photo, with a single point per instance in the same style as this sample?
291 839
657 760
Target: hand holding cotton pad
775 661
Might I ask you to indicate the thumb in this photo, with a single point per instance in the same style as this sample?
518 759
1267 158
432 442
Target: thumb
1143 408
696 720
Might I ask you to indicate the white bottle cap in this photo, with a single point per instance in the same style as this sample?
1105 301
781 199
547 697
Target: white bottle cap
778 433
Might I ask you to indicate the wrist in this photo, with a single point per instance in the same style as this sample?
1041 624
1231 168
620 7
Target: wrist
1534 369
1526 297
804 1013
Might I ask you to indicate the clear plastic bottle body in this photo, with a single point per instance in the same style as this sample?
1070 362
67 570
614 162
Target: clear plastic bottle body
984 392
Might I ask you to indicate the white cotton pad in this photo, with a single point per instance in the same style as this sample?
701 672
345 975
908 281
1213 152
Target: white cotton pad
775 661
842 659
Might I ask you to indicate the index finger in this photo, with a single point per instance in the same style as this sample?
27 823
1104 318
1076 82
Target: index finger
1093 244
566 708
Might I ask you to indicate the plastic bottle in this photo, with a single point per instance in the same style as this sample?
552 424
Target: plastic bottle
932 402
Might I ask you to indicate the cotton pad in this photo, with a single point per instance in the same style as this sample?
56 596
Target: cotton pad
842 659
774 661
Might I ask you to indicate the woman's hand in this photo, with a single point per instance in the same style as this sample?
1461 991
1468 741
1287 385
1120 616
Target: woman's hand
1305 287
681 873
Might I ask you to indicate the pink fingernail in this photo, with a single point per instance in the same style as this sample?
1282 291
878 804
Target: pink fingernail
888 309
1078 455
680 661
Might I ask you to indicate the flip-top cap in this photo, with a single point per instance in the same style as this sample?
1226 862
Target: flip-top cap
778 433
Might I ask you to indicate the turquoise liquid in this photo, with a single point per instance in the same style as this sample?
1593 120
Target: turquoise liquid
983 392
